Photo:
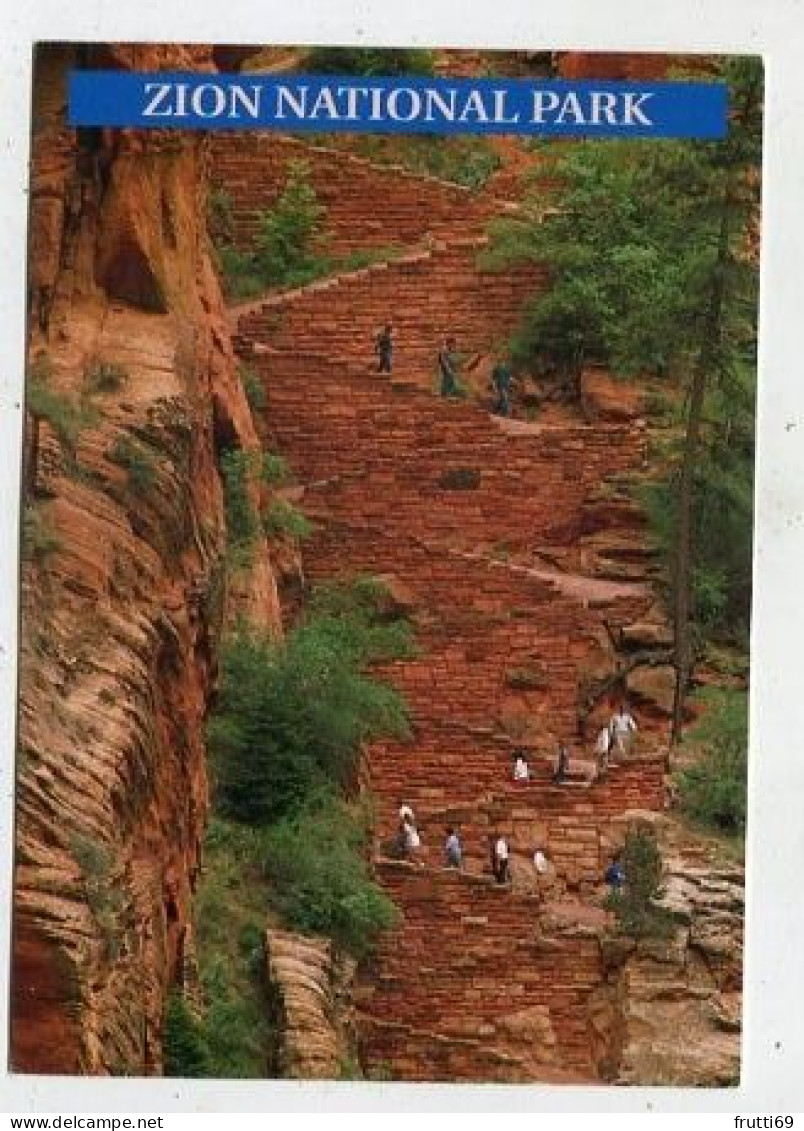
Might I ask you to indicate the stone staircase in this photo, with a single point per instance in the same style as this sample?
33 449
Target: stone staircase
458 512
368 206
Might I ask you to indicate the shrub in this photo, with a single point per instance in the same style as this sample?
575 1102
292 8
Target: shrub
467 161
241 518
138 464
184 1046
282 519
241 279
105 900
292 716
634 908
275 470
289 241
65 418
713 791
38 539
370 61
253 388
230 912
220 218
319 880
105 377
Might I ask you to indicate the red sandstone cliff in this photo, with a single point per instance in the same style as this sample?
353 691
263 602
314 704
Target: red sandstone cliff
121 619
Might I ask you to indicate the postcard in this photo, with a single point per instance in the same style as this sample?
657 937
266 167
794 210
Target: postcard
386 581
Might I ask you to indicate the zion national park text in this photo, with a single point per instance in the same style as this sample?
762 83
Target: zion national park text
397 105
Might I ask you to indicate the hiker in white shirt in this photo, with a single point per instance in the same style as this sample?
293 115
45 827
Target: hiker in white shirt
623 728
602 748
521 769
502 872
412 838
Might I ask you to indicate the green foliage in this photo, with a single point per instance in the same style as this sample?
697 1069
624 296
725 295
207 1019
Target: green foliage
366 256
138 464
369 61
105 900
282 519
184 1045
230 914
241 279
713 790
105 377
634 908
319 880
275 470
463 160
291 717
242 523
253 388
290 250
65 417
38 539
220 217
647 245
289 240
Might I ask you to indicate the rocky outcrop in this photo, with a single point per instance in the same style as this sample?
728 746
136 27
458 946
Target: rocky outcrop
122 614
310 982
689 984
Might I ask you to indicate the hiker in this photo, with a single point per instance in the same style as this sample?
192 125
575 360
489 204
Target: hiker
384 346
614 875
562 764
501 380
602 748
502 871
448 368
622 727
406 814
452 849
413 841
521 768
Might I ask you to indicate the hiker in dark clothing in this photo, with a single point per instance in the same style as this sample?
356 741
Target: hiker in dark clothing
385 348
448 369
562 764
501 379
614 875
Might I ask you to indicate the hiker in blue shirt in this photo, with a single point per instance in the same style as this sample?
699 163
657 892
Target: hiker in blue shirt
452 849
615 876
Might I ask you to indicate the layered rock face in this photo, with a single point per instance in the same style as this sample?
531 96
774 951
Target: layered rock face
122 616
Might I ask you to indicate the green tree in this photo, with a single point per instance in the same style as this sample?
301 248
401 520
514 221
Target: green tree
369 61
291 716
649 256
184 1046
714 790
634 906
289 241
319 879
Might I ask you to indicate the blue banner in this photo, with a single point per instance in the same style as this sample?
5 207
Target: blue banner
321 103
